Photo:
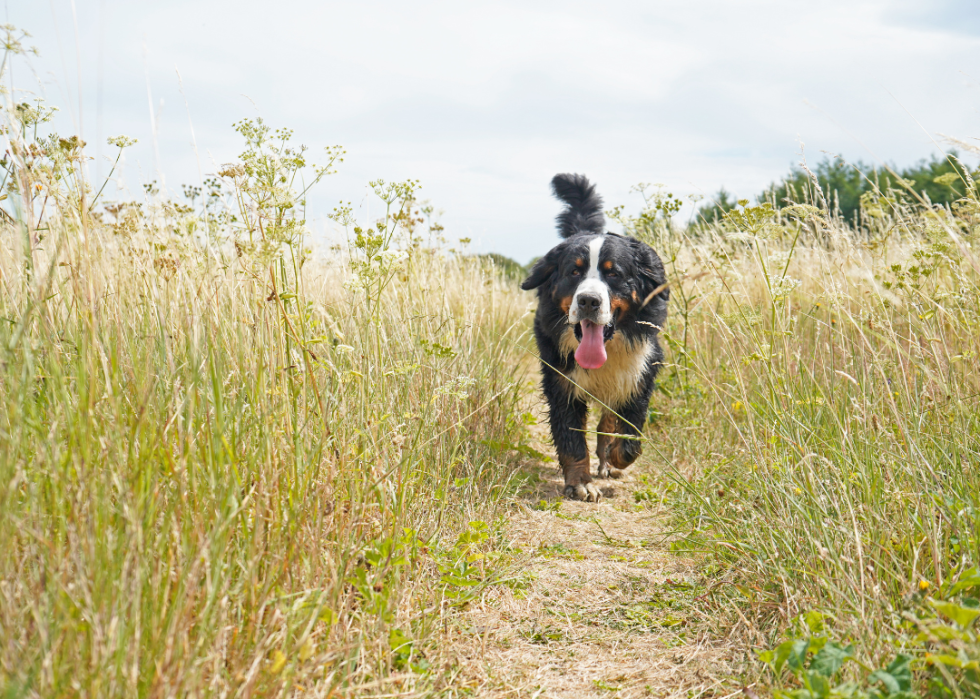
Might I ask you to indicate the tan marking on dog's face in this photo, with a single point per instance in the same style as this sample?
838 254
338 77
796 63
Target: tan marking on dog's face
618 303
579 262
565 304
607 265
636 299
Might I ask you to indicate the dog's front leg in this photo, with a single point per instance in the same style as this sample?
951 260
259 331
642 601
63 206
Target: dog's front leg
608 425
568 417
623 452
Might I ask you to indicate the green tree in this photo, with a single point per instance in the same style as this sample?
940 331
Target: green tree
841 184
721 203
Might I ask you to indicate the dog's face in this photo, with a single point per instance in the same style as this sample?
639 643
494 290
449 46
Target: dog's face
597 282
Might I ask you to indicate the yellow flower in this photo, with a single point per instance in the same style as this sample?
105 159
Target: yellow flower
923 585
799 491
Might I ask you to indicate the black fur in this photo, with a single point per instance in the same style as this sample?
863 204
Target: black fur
583 213
636 278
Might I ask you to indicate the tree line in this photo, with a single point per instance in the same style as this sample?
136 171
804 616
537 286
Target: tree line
842 184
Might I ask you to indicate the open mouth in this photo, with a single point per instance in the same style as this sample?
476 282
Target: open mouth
591 352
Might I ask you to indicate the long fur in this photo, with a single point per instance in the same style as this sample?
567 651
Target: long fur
633 276
583 212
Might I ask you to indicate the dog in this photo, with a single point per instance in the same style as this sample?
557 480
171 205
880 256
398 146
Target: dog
602 301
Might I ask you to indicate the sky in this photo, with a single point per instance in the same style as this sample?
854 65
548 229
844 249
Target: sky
484 102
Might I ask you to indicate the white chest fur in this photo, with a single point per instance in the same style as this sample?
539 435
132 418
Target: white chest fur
616 381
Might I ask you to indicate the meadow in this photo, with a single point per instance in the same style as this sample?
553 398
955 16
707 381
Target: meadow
820 432
229 464
234 464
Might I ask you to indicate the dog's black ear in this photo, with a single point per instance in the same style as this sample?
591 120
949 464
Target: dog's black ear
651 271
542 270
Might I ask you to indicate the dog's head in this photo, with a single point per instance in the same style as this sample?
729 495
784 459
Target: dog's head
598 282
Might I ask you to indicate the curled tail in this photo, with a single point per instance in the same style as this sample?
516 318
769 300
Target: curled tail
584 207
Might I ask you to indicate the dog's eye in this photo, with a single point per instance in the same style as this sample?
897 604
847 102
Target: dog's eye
611 274
576 273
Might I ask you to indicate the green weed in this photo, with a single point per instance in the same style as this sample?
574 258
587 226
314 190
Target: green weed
815 663
230 465
819 420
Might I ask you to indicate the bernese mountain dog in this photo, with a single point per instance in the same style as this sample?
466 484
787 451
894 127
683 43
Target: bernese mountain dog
602 301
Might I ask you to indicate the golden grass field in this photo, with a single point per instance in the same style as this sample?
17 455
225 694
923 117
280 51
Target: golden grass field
234 464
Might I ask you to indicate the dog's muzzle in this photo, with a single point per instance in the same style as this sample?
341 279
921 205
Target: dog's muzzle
589 306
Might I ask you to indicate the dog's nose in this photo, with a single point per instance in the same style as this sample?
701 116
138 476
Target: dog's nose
587 301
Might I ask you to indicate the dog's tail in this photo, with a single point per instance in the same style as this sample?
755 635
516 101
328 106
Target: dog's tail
584 207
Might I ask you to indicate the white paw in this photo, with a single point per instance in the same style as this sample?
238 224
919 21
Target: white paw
584 491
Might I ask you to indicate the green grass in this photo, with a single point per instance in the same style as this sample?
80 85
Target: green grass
184 496
229 466
232 466
821 417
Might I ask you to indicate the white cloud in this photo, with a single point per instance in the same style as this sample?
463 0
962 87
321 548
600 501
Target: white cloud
484 101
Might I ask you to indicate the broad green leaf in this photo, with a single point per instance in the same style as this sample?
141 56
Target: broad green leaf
891 684
831 658
818 684
398 640
814 621
793 652
897 677
797 657
943 659
849 690
816 643
969 579
964 616
942 632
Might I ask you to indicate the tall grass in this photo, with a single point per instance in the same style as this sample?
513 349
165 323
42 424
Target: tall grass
230 466
822 416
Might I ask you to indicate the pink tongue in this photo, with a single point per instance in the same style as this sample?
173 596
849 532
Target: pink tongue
591 352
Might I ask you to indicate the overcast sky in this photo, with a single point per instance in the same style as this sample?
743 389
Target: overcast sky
485 101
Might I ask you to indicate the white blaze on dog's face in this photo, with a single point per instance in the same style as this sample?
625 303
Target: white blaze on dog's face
592 284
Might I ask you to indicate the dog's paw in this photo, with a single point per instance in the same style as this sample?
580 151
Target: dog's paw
607 471
584 491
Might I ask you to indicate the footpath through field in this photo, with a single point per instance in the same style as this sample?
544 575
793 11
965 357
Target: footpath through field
599 607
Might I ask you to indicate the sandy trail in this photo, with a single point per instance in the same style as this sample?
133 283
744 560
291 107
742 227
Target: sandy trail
599 607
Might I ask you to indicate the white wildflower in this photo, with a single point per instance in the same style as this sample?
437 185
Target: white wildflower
457 388
121 141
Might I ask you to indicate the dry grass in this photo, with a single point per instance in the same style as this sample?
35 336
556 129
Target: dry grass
209 489
596 605
229 467
820 428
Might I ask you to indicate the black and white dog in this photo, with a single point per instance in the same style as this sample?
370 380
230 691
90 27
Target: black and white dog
602 300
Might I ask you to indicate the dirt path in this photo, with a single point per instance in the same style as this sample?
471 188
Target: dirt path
598 608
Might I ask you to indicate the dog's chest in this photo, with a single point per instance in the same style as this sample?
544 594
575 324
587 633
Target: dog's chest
616 381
